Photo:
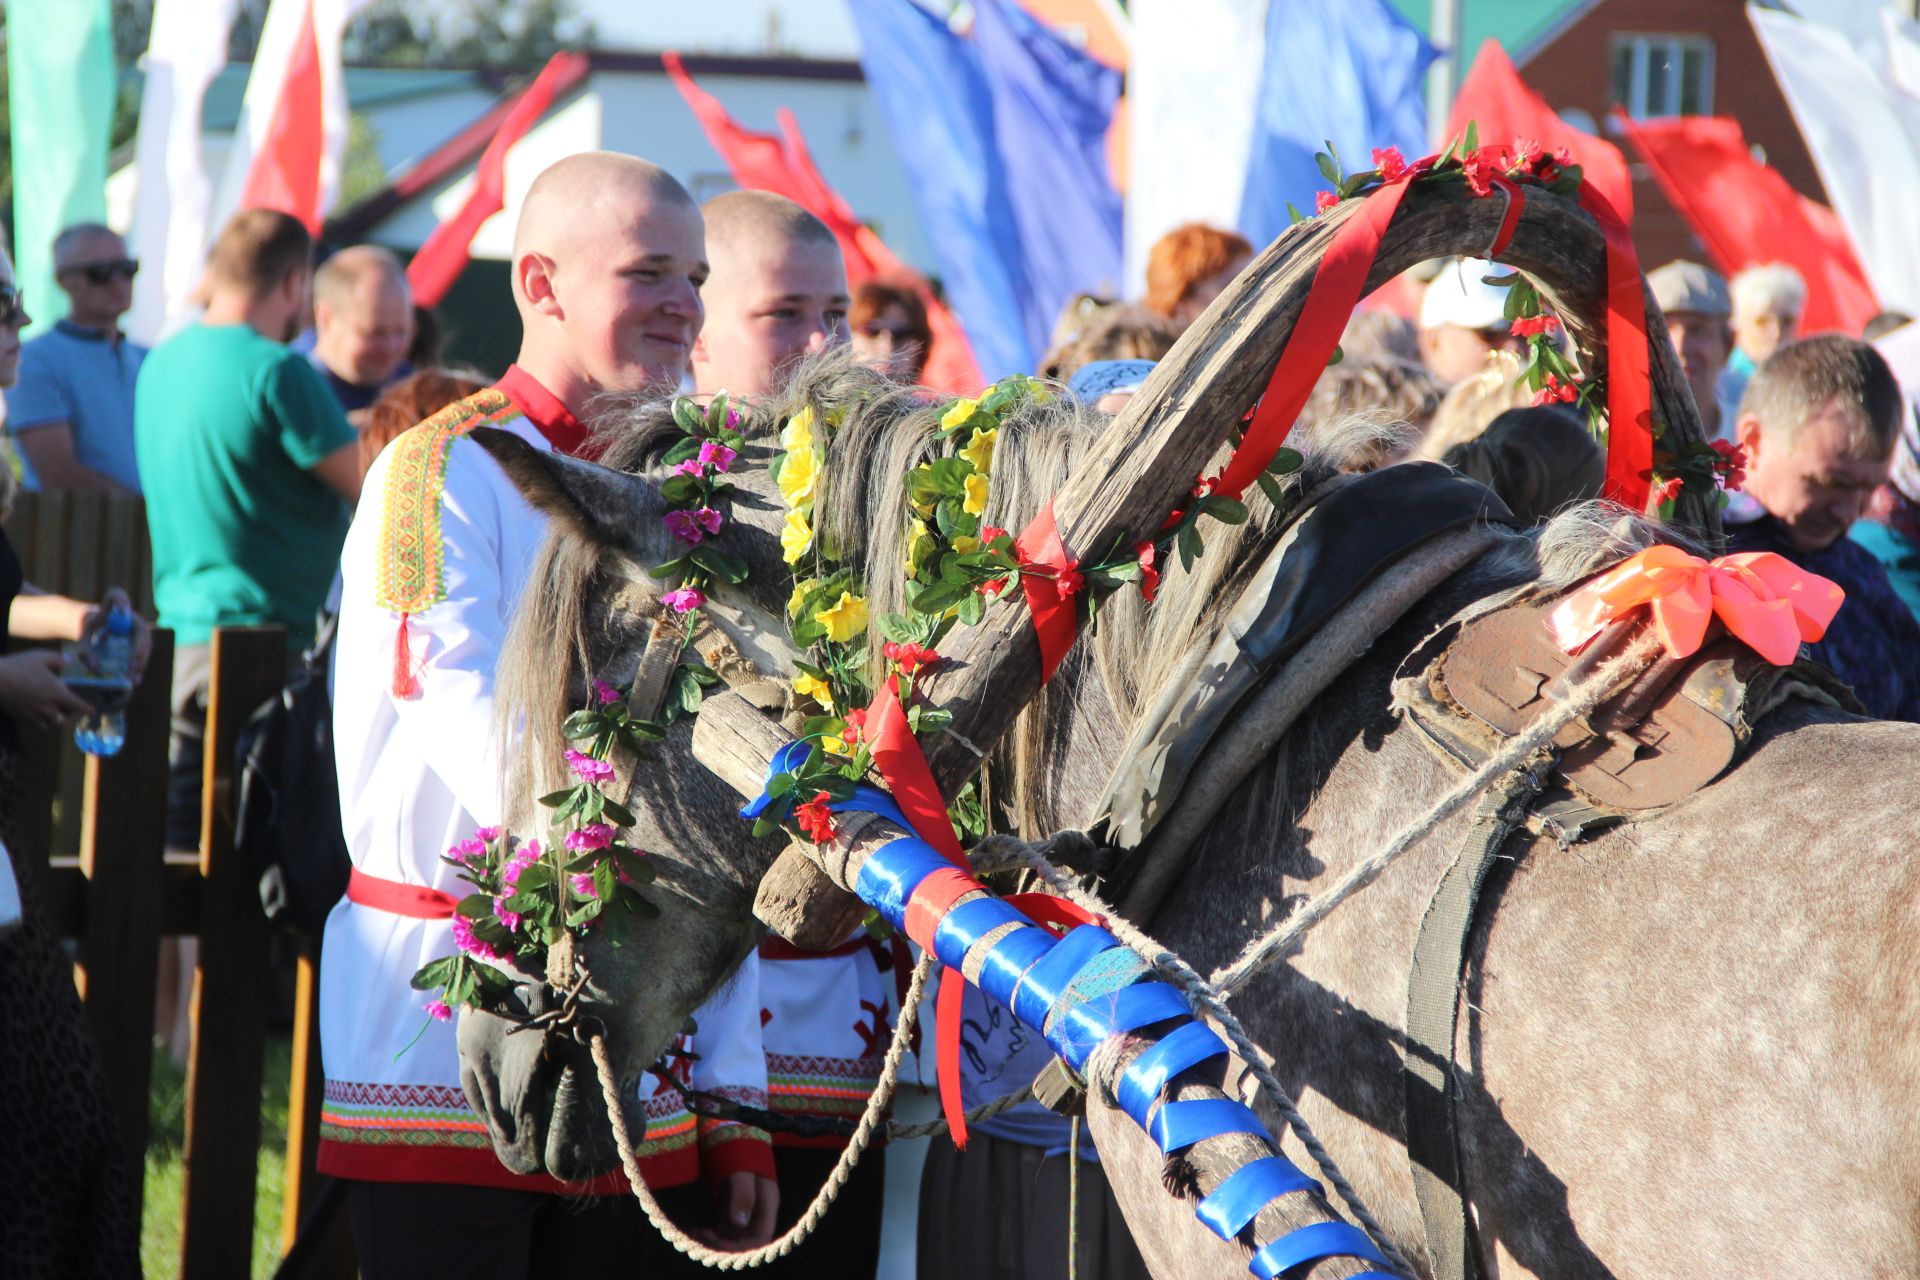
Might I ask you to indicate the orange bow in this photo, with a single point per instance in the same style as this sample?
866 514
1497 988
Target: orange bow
1765 600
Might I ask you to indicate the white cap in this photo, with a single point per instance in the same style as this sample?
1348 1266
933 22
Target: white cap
1460 296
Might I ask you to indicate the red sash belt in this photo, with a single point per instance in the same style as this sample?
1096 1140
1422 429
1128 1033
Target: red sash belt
416 900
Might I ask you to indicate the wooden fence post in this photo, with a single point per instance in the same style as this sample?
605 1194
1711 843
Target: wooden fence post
229 984
121 824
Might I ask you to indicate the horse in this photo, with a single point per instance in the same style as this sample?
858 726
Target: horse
1685 1049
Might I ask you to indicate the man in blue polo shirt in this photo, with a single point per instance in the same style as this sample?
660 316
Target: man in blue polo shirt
72 412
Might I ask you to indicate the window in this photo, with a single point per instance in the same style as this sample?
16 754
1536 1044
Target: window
1656 75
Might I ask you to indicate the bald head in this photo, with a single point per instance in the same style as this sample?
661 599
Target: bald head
608 258
778 291
362 315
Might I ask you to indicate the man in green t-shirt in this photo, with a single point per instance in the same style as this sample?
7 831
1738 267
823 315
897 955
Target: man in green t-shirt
249 469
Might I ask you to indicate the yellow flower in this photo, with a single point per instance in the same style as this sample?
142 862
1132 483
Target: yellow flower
919 540
979 450
836 746
813 687
976 500
798 433
796 477
795 536
966 546
799 596
846 619
958 413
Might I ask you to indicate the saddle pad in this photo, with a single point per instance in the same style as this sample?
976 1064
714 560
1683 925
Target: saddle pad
1357 531
1669 733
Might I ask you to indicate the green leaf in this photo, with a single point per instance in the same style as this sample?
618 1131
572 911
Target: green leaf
536 876
686 415
1328 169
671 569
1286 461
687 448
973 607
933 719
476 906
765 825
779 785
679 490
898 628
1473 135
1189 544
1294 216
1337 356
618 814
719 563
582 724
950 475
717 413
939 598
838 786
434 975
554 799
1271 487
1225 510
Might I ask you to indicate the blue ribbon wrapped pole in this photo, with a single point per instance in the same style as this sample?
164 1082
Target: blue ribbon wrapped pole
1080 991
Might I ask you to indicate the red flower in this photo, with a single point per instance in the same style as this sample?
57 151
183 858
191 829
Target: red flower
1527 153
1732 465
815 818
910 657
990 533
1557 392
992 587
1150 576
1324 200
1667 490
1068 580
1389 162
856 727
1204 486
1480 167
1530 326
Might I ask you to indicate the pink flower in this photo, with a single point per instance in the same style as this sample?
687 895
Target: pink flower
1203 486
604 693
583 885
689 467
1527 153
684 525
685 600
595 835
716 455
469 942
508 919
991 533
487 834
468 850
1324 200
438 1010
586 768
1389 162
733 419
709 519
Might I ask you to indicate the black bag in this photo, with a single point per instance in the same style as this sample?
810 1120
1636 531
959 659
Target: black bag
287 823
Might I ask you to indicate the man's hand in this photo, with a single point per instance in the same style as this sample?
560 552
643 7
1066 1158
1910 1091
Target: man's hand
744 1207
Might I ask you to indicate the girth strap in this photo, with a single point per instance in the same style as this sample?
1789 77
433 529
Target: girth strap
1433 1002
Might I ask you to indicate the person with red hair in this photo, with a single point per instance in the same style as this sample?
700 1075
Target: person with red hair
890 330
1189 266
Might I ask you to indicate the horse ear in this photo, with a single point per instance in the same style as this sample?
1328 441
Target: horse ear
602 505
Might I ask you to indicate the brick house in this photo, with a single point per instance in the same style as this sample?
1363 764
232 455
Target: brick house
1663 58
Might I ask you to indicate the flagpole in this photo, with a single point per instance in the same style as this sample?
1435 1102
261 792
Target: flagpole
1443 77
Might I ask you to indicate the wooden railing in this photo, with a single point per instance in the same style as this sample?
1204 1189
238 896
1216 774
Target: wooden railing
92 831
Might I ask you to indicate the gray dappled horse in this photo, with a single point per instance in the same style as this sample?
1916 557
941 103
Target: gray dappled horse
1689 1044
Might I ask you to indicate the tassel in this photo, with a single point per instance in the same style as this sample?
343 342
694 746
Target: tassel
405 683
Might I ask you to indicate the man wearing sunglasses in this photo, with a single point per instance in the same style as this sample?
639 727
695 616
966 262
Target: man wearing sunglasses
72 412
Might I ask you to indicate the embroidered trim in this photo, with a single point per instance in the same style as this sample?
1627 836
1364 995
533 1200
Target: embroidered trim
409 560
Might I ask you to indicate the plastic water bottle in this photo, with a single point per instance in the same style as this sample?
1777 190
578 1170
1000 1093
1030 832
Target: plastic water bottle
103 731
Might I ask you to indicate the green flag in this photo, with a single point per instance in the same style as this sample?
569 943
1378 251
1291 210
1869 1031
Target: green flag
61 92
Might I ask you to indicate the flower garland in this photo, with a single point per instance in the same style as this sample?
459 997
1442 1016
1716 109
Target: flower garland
1468 170
957 565
527 896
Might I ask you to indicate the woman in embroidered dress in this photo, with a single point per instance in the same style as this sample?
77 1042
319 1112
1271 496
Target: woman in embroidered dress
63 1172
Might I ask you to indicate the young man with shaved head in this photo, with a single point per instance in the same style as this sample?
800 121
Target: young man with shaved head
608 260
778 292
362 325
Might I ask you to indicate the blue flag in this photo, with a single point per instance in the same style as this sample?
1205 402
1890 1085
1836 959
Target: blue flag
1001 132
1052 105
1350 72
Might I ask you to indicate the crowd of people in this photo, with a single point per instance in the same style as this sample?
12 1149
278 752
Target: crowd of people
275 441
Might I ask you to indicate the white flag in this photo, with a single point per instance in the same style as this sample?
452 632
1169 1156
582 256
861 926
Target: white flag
1193 83
1858 107
186 49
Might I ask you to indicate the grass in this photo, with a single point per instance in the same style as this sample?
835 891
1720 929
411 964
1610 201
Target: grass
166 1171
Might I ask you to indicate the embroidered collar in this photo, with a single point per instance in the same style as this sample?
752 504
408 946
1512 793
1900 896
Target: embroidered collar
544 410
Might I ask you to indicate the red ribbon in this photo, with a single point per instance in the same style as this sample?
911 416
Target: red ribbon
1629 388
898 757
1510 220
1045 567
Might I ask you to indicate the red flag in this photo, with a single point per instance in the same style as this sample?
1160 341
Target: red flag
285 173
1495 96
1747 214
439 262
784 166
